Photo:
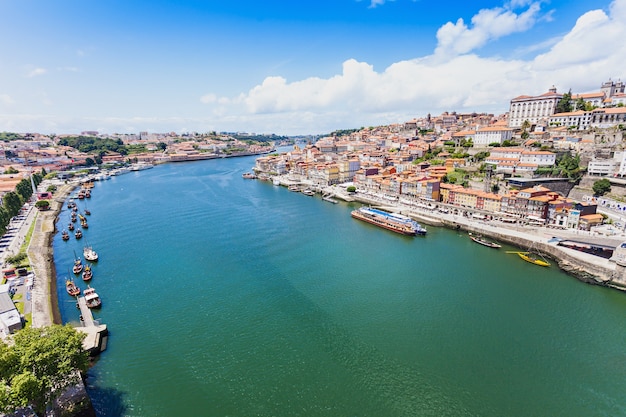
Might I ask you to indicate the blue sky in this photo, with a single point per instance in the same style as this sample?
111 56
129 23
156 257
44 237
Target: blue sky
299 67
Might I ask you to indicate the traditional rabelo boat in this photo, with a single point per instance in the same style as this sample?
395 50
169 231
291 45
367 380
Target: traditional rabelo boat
65 235
70 226
87 273
92 298
531 257
78 234
78 266
482 241
71 288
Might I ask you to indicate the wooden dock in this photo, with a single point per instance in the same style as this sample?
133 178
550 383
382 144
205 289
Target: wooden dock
97 334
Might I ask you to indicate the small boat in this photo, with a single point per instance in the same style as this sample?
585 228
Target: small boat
87 212
89 254
308 191
78 266
531 257
482 241
248 175
88 193
81 194
78 234
294 188
87 273
70 226
71 288
276 181
81 217
84 224
92 298
65 235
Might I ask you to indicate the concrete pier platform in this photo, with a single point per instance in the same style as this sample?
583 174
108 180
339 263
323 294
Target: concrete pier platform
97 334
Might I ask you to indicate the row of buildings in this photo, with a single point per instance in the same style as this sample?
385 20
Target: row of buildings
393 174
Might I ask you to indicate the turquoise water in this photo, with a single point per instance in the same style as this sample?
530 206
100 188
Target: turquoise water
232 297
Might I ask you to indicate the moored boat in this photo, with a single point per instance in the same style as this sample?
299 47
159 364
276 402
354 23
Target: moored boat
482 241
391 221
529 257
248 175
78 266
308 191
89 254
70 226
92 298
71 288
87 273
65 235
78 234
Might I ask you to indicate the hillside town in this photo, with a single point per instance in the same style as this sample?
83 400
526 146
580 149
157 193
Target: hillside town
520 166
510 165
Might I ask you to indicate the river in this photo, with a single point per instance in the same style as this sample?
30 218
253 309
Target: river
233 297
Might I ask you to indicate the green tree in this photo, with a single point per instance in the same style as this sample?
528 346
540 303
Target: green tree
42 204
24 189
12 203
39 366
351 189
580 104
4 220
11 170
601 187
564 105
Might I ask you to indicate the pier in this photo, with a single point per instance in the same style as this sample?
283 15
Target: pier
97 334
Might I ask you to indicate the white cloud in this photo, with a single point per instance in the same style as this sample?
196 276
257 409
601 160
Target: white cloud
487 25
6 100
36 72
375 3
589 54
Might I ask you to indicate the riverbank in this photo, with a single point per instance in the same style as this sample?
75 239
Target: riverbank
45 308
583 266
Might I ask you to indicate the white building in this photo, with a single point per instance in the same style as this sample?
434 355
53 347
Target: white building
602 167
608 117
533 108
10 319
578 119
539 158
492 134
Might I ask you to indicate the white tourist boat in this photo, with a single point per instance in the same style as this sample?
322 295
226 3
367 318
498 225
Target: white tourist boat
89 254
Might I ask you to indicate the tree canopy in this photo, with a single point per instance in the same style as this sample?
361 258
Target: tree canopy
564 105
601 187
39 366
90 144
